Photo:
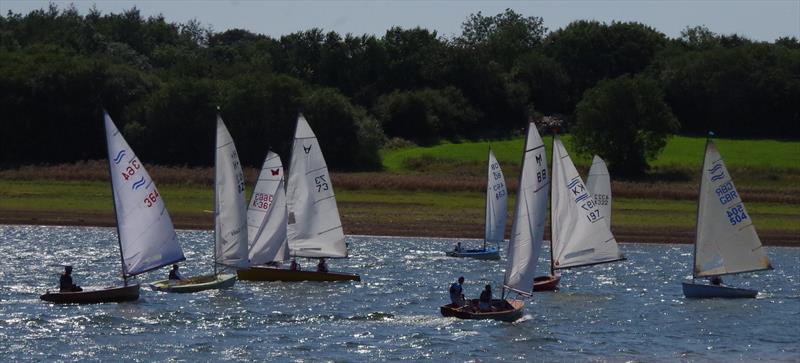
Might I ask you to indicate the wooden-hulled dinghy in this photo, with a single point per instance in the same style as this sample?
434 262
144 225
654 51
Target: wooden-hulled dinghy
302 221
259 273
527 232
507 310
146 236
103 295
546 283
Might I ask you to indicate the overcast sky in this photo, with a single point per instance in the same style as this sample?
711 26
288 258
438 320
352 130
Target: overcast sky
757 20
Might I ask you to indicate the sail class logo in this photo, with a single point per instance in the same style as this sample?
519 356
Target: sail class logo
307 149
120 155
716 168
138 184
275 171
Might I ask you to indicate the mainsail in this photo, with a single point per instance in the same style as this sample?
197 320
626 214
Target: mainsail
496 202
580 237
599 184
266 214
314 228
726 241
230 227
530 214
146 236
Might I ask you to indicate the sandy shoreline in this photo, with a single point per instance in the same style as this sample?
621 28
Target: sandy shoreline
417 228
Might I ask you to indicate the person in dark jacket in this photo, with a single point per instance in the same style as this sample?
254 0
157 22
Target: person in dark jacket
65 282
174 274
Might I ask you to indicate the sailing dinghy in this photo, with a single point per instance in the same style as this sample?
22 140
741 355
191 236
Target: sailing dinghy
147 239
726 241
496 212
579 235
527 231
230 224
313 228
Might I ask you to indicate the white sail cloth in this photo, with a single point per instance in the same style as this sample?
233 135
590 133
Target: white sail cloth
726 237
266 214
530 214
580 236
230 227
146 235
314 227
599 184
496 202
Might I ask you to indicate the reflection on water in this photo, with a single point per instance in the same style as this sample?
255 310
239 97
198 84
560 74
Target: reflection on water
632 310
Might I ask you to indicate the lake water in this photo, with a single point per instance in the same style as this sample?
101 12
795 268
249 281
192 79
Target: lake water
633 310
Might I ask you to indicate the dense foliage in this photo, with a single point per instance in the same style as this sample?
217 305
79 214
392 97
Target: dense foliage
626 120
163 83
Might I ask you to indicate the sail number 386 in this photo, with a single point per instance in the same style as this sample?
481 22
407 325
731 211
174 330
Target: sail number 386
151 198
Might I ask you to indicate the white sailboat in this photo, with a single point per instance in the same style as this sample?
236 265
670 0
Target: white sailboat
527 232
726 241
599 184
314 229
496 213
146 236
230 223
579 234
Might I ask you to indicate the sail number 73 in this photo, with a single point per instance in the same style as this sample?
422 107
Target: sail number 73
321 183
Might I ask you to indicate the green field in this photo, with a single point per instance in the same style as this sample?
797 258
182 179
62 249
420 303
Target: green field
681 152
378 206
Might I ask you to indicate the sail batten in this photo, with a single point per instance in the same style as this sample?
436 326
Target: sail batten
496 202
726 239
266 214
530 212
146 235
314 226
576 220
230 231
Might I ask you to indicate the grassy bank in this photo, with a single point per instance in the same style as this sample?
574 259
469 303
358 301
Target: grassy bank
371 211
439 191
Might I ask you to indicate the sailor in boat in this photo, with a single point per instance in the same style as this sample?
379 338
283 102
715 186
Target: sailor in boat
322 266
174 274
485 302
457 292
457 248
294 266
65 282
716 280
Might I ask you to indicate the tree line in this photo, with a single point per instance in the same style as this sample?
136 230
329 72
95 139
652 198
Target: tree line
163 81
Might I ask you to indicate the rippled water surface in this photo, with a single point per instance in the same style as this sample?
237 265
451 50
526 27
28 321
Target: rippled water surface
633 310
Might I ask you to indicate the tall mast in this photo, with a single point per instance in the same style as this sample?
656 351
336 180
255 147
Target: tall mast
486 204
552 166
114 202
697 215
216 201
